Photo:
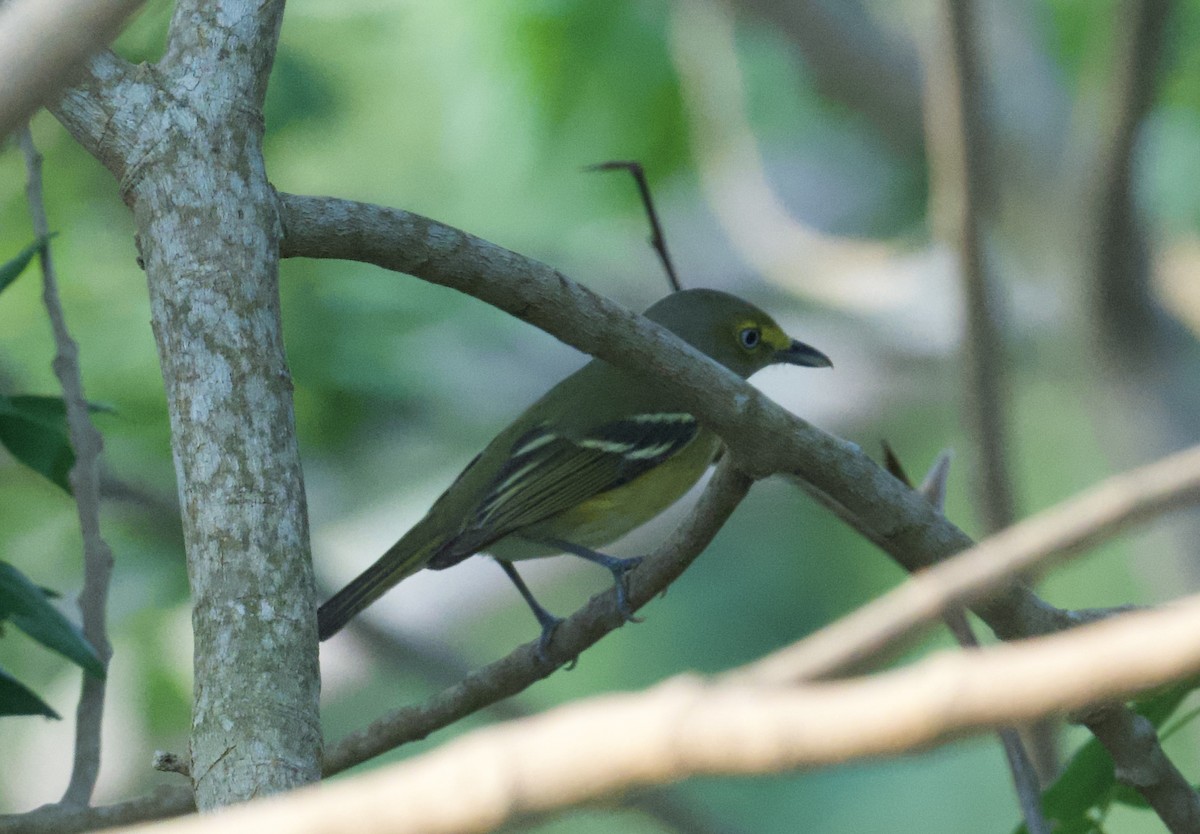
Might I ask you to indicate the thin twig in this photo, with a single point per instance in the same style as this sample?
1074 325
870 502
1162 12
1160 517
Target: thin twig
960 166
657 239
1024 775
85 484
966 147
1092 516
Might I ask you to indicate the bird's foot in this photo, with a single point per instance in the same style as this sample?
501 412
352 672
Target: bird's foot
550 624
620 570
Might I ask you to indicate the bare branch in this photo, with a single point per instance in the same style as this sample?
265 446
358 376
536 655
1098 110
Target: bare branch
85 484
106 111
441 665
657 239
960 169
1140 762
43 44
1070 527
688 726
239 36
1128 321
189 157
764 438
853 62
163 803
1021 769
523 666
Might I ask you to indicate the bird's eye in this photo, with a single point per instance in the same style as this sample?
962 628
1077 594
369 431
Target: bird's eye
750 337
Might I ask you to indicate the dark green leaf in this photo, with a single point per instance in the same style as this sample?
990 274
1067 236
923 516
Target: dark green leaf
35 439
34 430
52 409
17 699
9 270
24 605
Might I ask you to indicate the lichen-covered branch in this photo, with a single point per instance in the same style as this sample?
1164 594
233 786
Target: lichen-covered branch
184 139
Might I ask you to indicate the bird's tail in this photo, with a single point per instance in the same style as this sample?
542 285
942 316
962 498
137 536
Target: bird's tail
402 560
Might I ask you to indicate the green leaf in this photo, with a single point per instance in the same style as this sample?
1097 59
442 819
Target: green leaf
24 605
52 410
34 430
18 699
9 270
41 446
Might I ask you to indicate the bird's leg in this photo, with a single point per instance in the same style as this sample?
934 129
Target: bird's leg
548 621
619 568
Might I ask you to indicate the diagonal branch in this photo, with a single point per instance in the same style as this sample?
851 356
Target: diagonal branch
523 667
1073 526
691 726
763 436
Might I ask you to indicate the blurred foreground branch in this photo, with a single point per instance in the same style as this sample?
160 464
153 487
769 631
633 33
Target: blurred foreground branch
441 666
688 726
1073 526
44 42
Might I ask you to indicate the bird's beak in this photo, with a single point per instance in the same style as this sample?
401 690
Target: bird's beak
799 353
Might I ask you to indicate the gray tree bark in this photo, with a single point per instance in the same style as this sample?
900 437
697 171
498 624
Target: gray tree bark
184 138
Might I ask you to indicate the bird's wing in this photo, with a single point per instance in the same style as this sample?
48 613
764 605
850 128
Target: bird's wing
547 473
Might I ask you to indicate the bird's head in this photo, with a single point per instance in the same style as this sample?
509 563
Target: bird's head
733 332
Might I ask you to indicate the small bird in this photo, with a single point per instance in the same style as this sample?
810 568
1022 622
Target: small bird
601 453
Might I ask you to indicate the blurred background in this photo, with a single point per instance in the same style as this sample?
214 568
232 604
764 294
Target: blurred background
797 154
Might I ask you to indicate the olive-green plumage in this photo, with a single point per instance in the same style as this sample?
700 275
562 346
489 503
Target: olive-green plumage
599 454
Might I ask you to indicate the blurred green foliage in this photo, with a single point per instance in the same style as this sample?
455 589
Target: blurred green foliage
481 114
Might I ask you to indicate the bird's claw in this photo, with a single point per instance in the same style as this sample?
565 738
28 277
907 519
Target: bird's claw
620 572
550 625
